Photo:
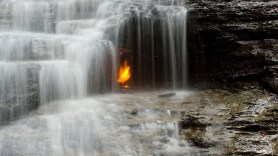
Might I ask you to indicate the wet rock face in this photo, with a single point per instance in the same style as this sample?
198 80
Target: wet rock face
231 121
238 38
17 99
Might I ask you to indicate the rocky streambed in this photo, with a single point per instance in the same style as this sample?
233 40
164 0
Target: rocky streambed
233 121
210 122
240 122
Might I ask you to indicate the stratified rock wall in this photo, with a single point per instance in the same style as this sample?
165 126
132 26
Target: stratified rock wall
238 39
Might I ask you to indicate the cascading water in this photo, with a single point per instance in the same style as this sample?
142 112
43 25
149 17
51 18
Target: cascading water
54 54
155 37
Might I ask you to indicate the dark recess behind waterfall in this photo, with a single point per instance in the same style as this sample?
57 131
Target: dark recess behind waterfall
210 59
150 67
201 62
215 51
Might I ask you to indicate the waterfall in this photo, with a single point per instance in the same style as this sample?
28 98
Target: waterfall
63 49
56 53
155 36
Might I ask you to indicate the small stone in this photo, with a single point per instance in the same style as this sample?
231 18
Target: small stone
167 95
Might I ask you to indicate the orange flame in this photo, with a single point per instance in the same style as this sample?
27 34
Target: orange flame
124 73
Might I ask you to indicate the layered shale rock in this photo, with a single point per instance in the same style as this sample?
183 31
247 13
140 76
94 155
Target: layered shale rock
238 39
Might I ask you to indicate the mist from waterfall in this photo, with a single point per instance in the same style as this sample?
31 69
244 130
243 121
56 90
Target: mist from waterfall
56 55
